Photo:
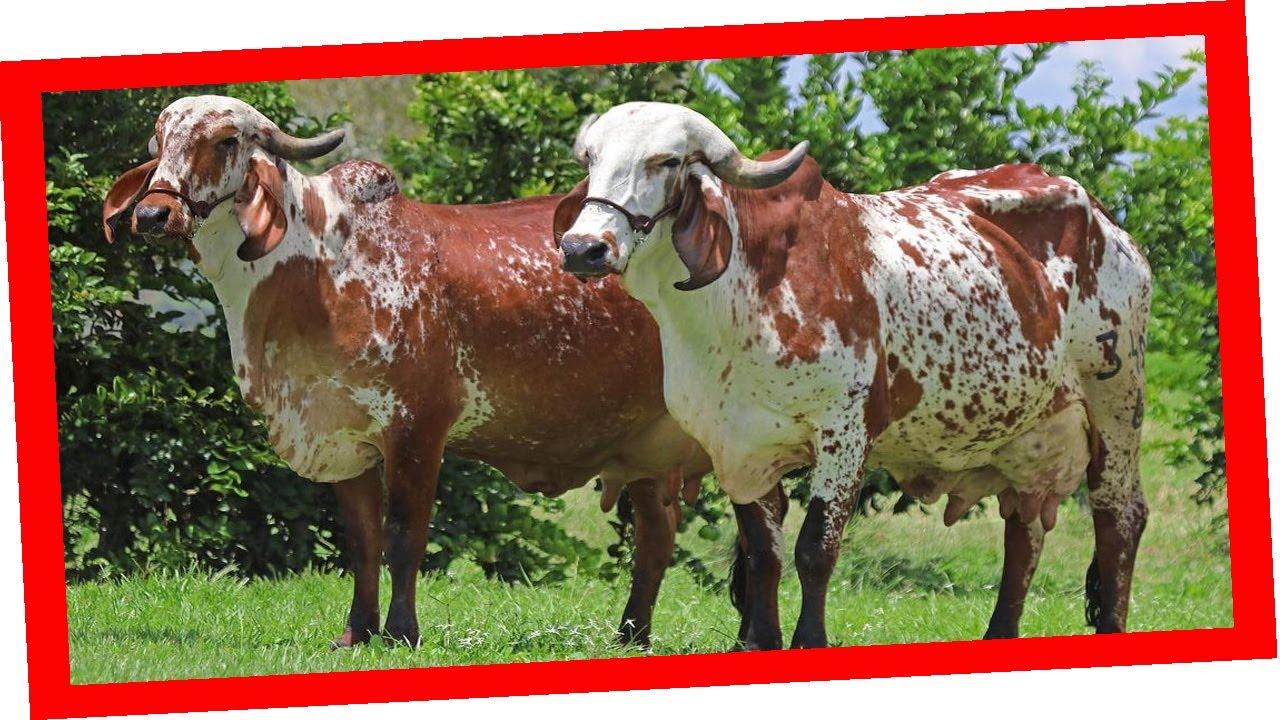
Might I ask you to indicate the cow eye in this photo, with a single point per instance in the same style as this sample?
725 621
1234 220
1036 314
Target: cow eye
670 162
228 143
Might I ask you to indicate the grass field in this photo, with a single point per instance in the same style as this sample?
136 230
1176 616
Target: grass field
901 579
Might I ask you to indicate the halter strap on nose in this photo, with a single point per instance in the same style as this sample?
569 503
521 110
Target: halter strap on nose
640 223
199 208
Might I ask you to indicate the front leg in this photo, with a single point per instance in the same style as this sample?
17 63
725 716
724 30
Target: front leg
412 473
360 504
836 478
758 569
1022 544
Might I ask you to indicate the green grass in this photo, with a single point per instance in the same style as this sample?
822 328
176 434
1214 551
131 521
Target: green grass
901 579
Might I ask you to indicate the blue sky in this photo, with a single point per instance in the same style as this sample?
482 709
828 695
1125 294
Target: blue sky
1124 60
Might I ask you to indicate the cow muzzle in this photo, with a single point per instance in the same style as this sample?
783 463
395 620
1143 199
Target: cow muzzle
150 219
161 217
585 256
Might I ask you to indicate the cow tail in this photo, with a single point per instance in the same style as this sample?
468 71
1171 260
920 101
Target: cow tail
1092 593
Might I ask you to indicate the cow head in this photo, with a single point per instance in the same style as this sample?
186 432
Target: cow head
655 169
211 156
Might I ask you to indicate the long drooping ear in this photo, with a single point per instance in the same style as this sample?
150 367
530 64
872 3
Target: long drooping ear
122 195
701 233
259 207
567 211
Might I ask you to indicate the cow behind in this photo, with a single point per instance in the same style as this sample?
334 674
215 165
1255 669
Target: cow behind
981 334
372 331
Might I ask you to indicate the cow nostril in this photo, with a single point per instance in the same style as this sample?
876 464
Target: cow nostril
595 252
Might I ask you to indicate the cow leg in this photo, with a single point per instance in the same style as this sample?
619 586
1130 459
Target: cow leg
1022 544
412 472
760 532
655 525
1119 517
836 479
360 504
1115 407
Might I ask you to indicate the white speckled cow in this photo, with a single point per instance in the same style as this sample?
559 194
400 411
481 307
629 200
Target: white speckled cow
981 334
372 331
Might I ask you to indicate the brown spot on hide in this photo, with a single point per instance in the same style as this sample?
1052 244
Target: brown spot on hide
890 398
313 211
911 252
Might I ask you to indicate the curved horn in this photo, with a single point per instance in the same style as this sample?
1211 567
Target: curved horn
153 146
282 144
738 169
730 165
579 148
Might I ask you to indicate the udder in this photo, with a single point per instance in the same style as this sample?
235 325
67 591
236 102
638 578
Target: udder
1031 474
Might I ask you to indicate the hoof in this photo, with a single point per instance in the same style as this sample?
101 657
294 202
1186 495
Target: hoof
808 644
348 639
1000 634
754 646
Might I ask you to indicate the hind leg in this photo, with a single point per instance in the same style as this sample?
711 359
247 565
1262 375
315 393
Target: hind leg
655 527
1115 495
1117 531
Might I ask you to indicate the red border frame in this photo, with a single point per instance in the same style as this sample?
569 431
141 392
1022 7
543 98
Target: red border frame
1253 634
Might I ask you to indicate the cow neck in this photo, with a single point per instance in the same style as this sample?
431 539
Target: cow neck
234 279
219 237
711 315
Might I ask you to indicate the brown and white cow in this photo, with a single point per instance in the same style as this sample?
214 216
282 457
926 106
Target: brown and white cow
979 335
373 331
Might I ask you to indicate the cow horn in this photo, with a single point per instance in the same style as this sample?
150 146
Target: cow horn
730 165
579 147
737 169
282 144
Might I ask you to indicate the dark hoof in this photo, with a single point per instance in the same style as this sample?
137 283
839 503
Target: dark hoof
1000 634
756 646
808 643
